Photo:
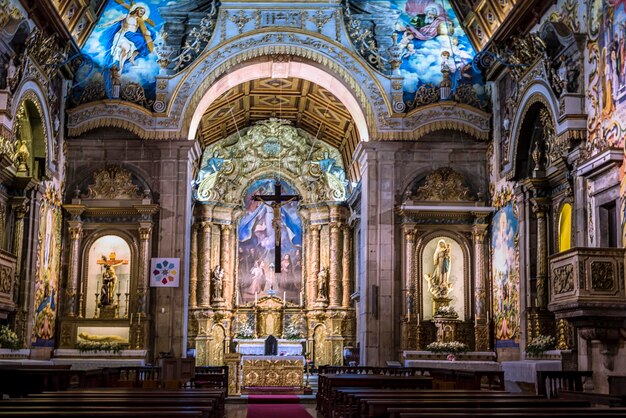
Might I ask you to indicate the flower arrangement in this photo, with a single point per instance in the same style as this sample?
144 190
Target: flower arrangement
114 347
9 339
452 347
540 344
446 311
245 331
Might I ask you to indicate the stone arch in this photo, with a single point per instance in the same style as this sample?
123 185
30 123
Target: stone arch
254 69
537 92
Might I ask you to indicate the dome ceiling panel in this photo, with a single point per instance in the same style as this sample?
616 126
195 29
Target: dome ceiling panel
307 105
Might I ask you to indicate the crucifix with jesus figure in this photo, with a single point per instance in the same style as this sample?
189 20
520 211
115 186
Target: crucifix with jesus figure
276 201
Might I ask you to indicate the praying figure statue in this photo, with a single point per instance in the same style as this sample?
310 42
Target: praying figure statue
217 282
322 284
109 281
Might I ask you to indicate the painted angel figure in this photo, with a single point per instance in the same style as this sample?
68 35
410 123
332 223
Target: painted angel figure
128 37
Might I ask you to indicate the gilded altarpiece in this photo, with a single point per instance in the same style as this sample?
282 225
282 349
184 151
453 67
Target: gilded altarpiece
110 221
234 287
444 259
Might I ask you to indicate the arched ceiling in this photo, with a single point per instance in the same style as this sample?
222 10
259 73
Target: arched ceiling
306 104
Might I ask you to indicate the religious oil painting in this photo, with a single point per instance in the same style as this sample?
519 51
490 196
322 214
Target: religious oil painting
433 42
442 267
108 272
607 77
256 238
506 303
122 47
48 266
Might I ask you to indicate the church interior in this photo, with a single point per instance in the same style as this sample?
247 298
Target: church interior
208 208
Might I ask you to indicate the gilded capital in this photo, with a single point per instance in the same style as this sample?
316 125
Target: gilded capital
226 228
479 233
206 226
76 232
410 235
144 233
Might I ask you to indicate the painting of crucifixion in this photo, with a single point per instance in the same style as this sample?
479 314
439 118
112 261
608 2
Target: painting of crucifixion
257 240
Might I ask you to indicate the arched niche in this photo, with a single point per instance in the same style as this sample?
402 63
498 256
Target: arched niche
565 227
109 243
31 137
458 273
256 235
530 144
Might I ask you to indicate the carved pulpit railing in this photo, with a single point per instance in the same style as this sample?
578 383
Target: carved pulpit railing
587 289
7 281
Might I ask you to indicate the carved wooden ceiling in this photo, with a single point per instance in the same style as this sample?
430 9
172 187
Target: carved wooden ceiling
307 105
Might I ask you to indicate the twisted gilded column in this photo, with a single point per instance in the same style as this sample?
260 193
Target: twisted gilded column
540 208
76 234
193 266
335 230
20 210
481 325
204 281
345 262
315 262
225 260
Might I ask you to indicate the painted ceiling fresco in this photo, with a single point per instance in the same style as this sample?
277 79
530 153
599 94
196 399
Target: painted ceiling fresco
122 46
129 38
431 40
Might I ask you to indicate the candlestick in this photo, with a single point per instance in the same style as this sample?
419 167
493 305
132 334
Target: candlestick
418 319
284 298
131 318
237 297
139 321
300 298
256 298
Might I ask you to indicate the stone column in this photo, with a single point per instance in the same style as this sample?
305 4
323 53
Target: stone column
315 262
204 281
20 210
335 230
540 208
143 278
193 266
481 326
76 234
410 309
345 275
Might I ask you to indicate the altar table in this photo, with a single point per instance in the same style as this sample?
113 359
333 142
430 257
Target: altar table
272 371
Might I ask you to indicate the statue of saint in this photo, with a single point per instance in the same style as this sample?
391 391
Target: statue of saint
217 280
109 281
322 283
439 285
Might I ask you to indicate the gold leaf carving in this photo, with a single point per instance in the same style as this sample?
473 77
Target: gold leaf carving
444 184
113 183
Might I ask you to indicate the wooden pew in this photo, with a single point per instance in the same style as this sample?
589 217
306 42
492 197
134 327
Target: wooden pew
209 401
550 382
350 400
325 394
374 408
507 412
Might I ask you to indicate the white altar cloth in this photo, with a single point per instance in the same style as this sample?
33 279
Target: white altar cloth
526 370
